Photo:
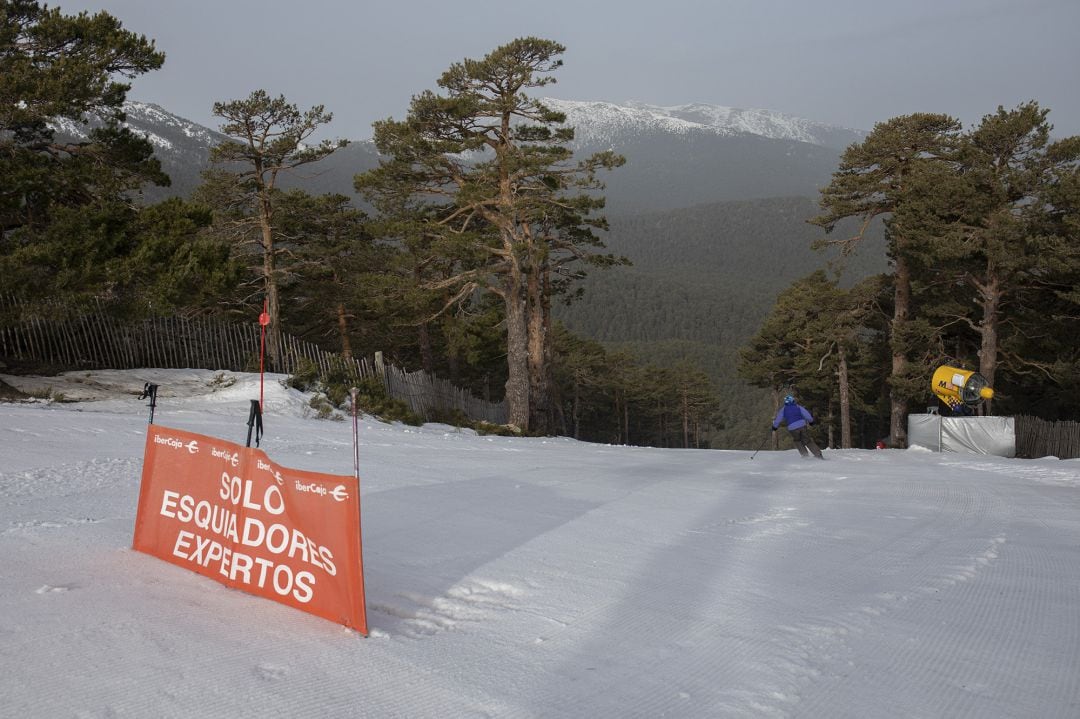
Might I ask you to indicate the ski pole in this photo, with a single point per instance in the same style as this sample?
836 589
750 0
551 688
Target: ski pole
150 390
762 445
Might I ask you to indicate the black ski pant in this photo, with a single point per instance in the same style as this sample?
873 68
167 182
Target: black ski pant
802 439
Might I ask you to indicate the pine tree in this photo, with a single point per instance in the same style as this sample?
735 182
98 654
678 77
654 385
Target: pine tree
270 138
811 341
486 172
581 367
872 181
56 68
980 230
331 257
142 262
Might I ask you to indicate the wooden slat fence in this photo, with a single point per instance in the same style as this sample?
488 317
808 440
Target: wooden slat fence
97 341
432 398
1038 438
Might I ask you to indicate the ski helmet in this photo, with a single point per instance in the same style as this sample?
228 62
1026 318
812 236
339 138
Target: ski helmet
789 400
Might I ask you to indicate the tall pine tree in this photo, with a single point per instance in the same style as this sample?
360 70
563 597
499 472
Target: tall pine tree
269 138
492 181
872 181
57 69
982 230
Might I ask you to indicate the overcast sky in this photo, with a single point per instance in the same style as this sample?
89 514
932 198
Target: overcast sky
847 62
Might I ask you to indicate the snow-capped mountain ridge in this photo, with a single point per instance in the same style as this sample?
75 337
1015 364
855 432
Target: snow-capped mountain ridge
144 113
153 122
605 123
596 122
677 156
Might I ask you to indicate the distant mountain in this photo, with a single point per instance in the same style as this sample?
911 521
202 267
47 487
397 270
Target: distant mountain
694 154
613 125
183 147
677 156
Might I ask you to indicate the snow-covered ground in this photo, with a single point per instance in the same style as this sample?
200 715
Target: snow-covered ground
541 577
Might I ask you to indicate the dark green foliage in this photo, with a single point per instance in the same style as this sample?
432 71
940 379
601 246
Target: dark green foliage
63 68
305 377
994 255
982 231
874 181
330 268
615 397
822 343
140 262
333 391
707 273
702 281
68 229
269 138
372 398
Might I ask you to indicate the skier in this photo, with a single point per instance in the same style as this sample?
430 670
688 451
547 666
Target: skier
797 418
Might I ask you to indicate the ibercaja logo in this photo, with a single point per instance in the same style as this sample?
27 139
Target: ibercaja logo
192 446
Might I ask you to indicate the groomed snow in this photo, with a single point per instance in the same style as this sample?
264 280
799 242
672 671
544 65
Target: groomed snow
541 577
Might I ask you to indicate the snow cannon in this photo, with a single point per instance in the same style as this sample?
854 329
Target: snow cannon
959 388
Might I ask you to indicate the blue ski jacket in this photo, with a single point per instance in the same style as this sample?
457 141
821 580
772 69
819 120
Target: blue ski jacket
795 415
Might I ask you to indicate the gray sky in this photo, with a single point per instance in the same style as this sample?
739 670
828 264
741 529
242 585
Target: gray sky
847 62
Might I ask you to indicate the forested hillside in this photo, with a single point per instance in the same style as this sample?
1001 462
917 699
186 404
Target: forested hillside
702 280
676 171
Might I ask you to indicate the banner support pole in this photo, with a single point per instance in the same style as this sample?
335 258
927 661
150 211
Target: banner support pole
359 512
150 390
355 437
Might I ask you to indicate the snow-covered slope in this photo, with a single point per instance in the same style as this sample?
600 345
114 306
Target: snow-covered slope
162 128
606 123
521 578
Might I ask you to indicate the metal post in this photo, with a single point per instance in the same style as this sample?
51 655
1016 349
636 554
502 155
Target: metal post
355 436
150 391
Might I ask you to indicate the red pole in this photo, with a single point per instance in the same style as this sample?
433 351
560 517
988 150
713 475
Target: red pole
264 320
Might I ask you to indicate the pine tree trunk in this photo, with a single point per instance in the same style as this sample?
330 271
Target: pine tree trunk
539 386
845 398
988 329
685 419
576 411
898 402
517 352
343 330
556 409
270 280
427 357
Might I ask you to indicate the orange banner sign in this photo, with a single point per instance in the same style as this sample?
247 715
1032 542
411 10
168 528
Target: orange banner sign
229 513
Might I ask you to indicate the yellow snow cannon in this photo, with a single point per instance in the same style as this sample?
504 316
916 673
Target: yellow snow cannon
960 388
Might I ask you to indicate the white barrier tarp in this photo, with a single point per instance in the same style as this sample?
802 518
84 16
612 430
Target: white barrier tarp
970 435
924 430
